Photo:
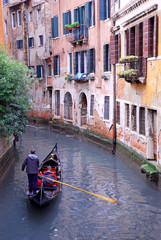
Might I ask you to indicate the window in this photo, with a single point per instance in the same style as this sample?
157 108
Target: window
118 113
31 42
13 20
41 40
66 20
30 16
57 102
56 65
91 60
19 44
142 121
89 14
49 70
115 48
68 106
40 71
104 9
54 26
151 37
127 115
19 17
5 27
106 51
133 118
69 63
84 61
92 105
39 15
5 2
106 107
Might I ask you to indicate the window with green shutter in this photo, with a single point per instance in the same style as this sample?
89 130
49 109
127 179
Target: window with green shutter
56 65
66 20
54 27
104 9
106 54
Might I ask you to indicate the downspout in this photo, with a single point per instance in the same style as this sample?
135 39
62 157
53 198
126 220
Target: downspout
27 53
114 103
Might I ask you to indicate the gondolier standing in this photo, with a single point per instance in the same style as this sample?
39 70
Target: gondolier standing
31 163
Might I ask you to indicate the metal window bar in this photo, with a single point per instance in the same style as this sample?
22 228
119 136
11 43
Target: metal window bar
142 121
133 118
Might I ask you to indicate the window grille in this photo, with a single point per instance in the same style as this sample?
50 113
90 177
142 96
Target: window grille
142 121
68 106
106 107
92 105
127 115
118 113
57 102
133 118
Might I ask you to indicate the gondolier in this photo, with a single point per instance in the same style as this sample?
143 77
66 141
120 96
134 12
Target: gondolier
31 163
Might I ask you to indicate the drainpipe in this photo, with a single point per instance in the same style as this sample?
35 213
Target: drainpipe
114 102
27 54
114 110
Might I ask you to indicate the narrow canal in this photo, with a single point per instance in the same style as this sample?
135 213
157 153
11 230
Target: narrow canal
76 215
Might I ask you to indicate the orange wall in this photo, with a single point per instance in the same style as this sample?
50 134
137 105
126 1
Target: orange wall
1 26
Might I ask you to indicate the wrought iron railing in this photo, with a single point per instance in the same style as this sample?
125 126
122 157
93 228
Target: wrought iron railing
79 33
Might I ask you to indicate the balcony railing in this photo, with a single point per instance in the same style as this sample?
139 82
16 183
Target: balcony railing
134 70
78 35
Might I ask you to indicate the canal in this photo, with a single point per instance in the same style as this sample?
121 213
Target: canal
75 215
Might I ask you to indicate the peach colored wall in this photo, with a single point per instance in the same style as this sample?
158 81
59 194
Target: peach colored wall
1 26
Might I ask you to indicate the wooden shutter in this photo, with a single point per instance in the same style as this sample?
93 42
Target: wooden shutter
75 60
65 21
105 57
145 38
55 27
108 8
38 71
52 27
155 36
82 61
119 47
102 10
112 49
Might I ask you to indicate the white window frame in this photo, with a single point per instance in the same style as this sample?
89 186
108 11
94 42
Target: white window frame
39 15
41 40
30 16
19 18
13 20
69 62
5 28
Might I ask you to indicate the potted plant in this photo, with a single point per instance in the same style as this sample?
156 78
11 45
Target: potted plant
129 59
70 26
130 73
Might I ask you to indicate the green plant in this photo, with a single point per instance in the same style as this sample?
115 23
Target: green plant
129 59
15 94
127 73
68 77
72 25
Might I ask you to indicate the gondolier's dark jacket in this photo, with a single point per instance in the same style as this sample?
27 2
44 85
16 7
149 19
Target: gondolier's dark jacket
31 163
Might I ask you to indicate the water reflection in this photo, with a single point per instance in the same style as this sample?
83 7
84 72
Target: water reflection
74 214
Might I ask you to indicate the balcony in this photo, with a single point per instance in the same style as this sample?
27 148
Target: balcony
78 35
135 69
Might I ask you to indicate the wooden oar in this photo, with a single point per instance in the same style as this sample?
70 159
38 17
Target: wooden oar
96 195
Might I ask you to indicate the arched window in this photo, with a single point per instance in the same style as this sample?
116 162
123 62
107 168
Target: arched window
68 111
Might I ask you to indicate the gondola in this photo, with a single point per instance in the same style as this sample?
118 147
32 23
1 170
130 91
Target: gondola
48 189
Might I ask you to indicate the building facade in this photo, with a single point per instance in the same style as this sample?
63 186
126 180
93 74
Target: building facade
97 65
136 33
